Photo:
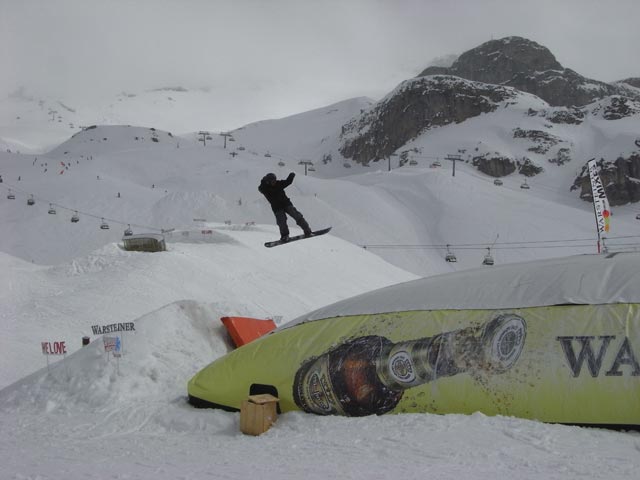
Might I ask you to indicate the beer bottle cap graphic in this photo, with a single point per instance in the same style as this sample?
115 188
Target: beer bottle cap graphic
503 340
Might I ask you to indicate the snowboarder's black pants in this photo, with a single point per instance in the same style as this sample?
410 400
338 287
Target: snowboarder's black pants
281 218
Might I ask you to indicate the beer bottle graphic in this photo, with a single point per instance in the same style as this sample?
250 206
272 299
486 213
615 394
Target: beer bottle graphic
368 375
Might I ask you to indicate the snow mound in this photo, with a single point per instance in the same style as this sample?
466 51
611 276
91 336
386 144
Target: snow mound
225 272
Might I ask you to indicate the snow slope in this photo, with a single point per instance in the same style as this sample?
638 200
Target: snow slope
91 415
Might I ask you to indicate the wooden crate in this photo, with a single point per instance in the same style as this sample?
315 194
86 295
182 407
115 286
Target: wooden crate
258 413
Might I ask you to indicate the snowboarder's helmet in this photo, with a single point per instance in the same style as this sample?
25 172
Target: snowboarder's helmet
270 177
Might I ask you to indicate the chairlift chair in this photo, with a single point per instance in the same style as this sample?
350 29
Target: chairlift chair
638 216
525 185
52 211
31 201
281 164
128 232
75 218
497 181
267 154
104 225
450 257
11 196
488 259
311 169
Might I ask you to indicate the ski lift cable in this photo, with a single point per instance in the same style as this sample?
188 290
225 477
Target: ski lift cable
514 247
81 212
568 243
524 244
538 184
435 247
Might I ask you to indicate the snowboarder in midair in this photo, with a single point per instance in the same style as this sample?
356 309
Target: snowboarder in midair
273 190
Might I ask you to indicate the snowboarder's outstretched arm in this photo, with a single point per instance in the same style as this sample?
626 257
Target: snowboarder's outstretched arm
288 181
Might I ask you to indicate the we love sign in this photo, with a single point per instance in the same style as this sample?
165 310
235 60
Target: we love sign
54 348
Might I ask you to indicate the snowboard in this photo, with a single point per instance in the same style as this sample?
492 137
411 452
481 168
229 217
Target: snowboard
275 243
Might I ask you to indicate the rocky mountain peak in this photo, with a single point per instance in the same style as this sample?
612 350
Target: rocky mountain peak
528 66
498 61
503 74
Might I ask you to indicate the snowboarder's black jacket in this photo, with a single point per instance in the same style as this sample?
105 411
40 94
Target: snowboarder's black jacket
275 192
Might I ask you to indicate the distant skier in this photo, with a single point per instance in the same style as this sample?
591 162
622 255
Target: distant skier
273 190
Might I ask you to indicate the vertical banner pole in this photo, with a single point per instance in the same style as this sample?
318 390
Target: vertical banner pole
66 368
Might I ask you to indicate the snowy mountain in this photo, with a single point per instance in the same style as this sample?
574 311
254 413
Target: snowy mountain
556 117
34 123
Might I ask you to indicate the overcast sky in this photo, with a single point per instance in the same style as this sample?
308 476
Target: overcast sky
290 55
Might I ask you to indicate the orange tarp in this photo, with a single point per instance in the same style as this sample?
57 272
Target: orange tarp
244 329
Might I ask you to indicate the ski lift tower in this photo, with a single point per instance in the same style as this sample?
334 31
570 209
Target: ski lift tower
453 158
389 159
203 139
225 135
307 164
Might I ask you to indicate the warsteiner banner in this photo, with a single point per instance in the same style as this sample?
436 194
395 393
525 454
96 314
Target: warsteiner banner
574 364
600 201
